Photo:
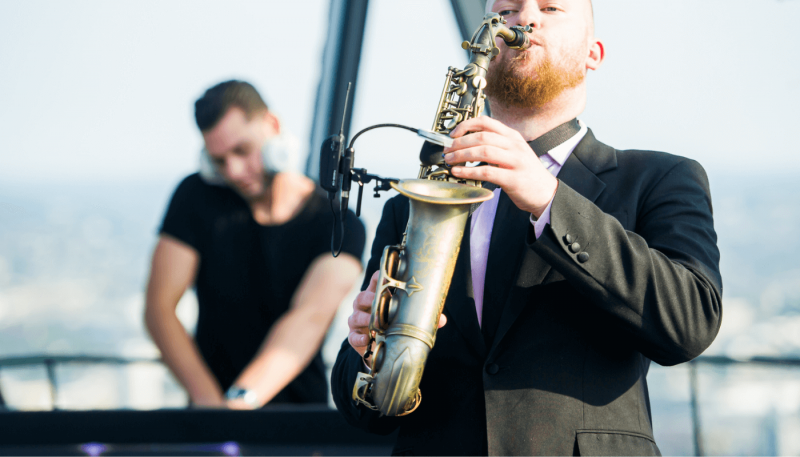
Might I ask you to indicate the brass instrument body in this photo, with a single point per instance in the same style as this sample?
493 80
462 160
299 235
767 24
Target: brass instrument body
415 275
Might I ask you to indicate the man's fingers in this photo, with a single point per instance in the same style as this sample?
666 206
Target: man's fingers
481 138
363 301
483 153
483 124
358 342
373 282
239 404
442 320
359 321
494 175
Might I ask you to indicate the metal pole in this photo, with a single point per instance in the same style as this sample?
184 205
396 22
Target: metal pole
696 426
340 61
50 365
469 14
2 402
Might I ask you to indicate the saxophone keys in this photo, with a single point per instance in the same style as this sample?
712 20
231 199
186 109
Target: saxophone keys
361 390
413 286
377 361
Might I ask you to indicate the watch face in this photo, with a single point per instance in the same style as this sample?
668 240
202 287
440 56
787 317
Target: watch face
235 392
246 395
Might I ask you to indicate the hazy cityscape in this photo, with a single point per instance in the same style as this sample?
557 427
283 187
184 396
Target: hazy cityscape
73 264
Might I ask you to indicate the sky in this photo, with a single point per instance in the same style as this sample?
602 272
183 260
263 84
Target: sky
102 91
98 91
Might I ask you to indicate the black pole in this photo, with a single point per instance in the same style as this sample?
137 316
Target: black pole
469 14
340 60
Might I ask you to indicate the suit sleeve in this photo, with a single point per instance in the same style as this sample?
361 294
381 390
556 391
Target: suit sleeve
348 362
660 284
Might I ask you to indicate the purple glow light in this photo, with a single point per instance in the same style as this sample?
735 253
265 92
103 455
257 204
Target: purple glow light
94 449
231 448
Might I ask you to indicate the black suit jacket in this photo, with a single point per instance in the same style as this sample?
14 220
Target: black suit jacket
566 371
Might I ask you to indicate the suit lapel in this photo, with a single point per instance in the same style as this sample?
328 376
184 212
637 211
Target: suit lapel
589 159
580 173
459 307
577 176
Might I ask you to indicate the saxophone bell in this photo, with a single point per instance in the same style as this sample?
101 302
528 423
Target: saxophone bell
412 286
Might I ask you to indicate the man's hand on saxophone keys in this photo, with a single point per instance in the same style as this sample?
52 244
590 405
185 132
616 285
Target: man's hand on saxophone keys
359 320
512 165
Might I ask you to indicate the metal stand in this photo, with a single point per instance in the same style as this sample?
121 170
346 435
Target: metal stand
697 428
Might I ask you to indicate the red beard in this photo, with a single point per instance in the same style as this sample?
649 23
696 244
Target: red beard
510 83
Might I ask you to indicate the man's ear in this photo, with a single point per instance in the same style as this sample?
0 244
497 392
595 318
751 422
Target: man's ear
597 53
272 122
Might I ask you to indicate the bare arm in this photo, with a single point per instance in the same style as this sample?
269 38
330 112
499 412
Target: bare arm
173 269
298 334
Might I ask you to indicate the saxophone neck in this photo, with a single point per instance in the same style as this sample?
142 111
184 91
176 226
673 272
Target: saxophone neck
483 49
482 46
462 96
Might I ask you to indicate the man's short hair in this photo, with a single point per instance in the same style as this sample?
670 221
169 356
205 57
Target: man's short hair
210 108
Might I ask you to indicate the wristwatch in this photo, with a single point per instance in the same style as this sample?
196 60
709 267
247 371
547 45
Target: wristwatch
246 395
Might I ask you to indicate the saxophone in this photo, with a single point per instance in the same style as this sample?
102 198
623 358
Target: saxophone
415 275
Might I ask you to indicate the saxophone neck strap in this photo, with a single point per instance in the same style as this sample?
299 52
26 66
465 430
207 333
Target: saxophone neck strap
555 137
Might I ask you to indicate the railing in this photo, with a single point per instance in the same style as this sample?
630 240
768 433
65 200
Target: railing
50 363
697 430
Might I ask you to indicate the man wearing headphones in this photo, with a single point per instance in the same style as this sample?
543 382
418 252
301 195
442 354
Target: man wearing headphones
252 235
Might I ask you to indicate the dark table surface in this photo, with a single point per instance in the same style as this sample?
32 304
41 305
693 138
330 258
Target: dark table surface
287 430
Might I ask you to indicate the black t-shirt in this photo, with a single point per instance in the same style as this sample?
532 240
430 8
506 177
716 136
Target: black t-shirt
248 274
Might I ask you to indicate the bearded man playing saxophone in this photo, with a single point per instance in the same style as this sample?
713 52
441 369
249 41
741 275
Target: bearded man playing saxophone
588 263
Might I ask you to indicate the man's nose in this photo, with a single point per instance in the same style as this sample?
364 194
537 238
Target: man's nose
529 14
234 169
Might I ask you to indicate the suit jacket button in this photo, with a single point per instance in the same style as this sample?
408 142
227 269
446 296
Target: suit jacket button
575 247
583 257
568 239
492 368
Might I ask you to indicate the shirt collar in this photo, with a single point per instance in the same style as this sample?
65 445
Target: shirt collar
560 153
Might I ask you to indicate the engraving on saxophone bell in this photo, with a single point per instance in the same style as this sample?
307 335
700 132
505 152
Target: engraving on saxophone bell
405 325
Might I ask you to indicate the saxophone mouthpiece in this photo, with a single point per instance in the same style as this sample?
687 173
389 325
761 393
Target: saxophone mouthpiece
520 39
